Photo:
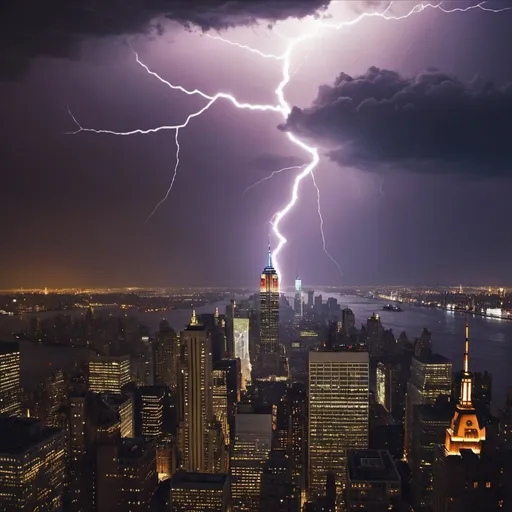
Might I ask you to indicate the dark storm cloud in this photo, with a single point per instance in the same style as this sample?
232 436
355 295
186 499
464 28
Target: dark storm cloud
431 122
31 28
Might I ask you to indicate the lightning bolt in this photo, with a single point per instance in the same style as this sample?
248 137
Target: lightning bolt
282 107
319 210
271 175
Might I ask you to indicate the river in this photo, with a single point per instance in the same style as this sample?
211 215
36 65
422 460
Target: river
490 349
490 338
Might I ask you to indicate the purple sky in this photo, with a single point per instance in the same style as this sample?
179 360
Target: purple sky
74 207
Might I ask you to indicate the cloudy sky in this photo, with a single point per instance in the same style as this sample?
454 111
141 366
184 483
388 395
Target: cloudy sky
411 118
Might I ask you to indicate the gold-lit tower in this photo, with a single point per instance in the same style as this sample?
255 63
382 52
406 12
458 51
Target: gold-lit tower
465 431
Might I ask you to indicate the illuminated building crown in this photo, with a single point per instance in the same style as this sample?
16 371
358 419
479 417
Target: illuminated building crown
465 431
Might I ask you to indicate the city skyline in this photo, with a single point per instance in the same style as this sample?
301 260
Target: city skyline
85 198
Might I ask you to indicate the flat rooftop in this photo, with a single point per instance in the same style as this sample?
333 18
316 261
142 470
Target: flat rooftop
371 466
433 358
9 347
186 480
18 435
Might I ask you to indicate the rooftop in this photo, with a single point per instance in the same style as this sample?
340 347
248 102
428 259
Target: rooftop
186 480
9 347
439 413
371 466
132 448
17 435
432 358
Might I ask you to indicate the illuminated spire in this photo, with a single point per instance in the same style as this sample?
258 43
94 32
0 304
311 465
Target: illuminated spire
193 320
269 255
466 349
466 383
465 431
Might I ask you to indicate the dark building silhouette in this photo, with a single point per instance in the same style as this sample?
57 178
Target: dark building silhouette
373 482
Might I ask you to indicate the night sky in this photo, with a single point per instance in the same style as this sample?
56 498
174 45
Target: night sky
412 119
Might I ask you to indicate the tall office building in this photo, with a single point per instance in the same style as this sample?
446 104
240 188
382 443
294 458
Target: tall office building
32 465
230 340
197 492
166 353
374 332
431 376
221 402
269 309
166 457
465 477
241 340
297 304
195 393
297 399
311 298
429 430
108 374
373 482
384 391
279 493
10 397
228 370
125 475
251 448
152 400
338 414
123 406
348 320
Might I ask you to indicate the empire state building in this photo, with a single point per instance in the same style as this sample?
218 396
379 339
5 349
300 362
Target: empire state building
269 309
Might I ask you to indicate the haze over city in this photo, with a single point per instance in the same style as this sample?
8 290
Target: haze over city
255 256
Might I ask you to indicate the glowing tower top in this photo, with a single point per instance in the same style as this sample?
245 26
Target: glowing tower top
269 307
465 431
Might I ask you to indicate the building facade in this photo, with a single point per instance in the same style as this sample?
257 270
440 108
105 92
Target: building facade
269 309
250 451
431 376
10 399
338 414
241 345
32 465
373 482
197 492
195 394
108 374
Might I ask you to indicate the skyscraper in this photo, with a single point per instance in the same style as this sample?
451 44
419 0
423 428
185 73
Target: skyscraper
348 320
10 399
108 374
465 431
197 492
125 475
297 305
338 414
166 352
431 376
195 390
32 465
220 401
251 448
466 477
269 308
241 342
152 410
374 334
311 298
